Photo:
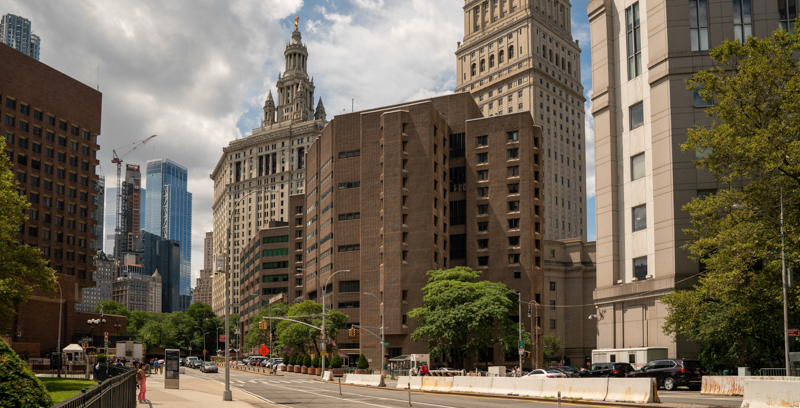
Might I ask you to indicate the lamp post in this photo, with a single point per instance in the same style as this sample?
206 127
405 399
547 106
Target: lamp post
383 331
784 284
117 326
216 333
519 316
204 341
324 340
534 332
60 307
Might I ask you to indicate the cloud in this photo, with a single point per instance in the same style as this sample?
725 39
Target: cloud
588 124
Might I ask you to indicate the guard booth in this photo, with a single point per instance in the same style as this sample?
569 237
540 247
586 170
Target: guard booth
172 369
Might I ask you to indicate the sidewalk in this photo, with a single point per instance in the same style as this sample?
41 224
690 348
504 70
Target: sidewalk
196 392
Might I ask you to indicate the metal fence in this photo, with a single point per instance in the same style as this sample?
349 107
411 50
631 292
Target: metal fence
778 372
116 392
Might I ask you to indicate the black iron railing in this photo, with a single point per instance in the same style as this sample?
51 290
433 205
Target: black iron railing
118 391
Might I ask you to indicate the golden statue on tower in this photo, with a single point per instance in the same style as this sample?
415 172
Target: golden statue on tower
296 20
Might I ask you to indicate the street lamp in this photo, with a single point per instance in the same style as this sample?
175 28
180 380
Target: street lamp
519 316
204 342
324 340
216 332
383 331
534 332
784 277
117 326
60 306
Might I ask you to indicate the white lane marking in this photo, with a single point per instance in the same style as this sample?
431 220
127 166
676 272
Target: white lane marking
328 396
360 395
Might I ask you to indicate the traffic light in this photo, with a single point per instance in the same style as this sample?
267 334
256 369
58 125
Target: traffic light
529 310
527 354
262 325
353 332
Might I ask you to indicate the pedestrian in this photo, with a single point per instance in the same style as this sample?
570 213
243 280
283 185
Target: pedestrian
142 377
155 366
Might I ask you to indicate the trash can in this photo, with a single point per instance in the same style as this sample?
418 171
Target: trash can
726 372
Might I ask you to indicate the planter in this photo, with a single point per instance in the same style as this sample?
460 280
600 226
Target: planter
297 369
337 372
303 370
318 371
283 368
358 371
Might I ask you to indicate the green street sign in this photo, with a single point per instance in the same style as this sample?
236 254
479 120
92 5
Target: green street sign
521 344
386 344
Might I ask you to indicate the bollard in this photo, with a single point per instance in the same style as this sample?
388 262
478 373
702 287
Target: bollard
340 386
409 394
559 399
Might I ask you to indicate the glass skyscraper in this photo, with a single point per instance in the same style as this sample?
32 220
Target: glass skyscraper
15 31
168 214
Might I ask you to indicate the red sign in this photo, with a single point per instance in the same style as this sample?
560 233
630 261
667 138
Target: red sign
106 336
794 332
264 350
222 337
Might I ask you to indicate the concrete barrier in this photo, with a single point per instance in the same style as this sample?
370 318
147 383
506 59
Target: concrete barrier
328 376
733 385
636 390
760 393
530 387
415 381
372 380
472 384
594 389
551 387
439 384
505 386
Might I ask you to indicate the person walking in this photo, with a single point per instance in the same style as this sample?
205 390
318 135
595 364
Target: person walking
142 377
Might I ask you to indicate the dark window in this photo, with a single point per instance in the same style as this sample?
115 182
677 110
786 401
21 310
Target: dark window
349 153
458 212
350 305
483 157
639 217
51 120
513 189
640 268
37 114
513 136
11 104
483 243
349 184
458 179
513 223
483 141
483 226
483 261
458 246
457 145
637 115
349 287
62 125
349 248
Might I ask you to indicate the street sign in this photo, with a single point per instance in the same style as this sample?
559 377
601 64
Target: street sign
105 335
521 344
323 352
387 343
522 352
106 346
794 332
205 351
222 337
264 350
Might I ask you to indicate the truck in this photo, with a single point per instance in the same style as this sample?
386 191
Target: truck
130 350
636 356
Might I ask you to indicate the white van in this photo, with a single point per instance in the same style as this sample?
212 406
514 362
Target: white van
636 356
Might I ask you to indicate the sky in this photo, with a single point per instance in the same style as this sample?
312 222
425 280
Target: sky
196 72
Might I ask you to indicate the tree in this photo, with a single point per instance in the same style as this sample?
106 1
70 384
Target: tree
307 361
200 312
459 313
300 337
552 347
19 387
734 309
336 361
315 362
255 335
22 267
112 307
362 363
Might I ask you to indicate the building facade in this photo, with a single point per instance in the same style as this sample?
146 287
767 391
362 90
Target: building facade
202 289
138 291
16 32
103 277
164 256
50 123
642 54
256 175
519 55
99 214
397 191
168 214
130 211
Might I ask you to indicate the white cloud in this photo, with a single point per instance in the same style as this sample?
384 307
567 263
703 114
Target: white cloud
588 124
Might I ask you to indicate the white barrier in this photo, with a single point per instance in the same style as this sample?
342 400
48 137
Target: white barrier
472 384
733 385
530 387
505 386
637 390
328 376
438 384
759 393
372 380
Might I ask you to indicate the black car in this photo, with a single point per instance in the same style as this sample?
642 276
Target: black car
606 370
673 373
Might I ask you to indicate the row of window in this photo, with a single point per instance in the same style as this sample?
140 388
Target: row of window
25 109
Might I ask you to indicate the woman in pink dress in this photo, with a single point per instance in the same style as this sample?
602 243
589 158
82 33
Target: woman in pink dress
142 377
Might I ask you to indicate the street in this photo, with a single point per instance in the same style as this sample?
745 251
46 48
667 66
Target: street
296 390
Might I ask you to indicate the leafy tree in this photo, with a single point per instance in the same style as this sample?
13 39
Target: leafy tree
459 313
23 268
136 320
735 308
255 335
307 361
552 347
336 361
112 307
19 387
201 312
315 362
301 337
362 363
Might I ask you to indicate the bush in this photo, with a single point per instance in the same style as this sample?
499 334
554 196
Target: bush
101 358
362 364
291 359
307 361
315 362
18 386
336 361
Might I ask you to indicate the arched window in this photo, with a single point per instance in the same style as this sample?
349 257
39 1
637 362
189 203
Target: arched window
501 57
550 53
491 61
473 69
510 52
569 68
558 61
483 65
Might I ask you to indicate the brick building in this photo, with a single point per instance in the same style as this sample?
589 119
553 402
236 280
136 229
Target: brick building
202 289
425 185
51 123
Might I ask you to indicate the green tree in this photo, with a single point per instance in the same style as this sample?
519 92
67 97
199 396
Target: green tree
255 335
22 267
336 361
734 308
362 363
201 313
297 336
460 313
112 307
19 387
137 320
307 361
552 347
315 362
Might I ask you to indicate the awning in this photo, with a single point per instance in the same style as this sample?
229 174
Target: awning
73 348
399 358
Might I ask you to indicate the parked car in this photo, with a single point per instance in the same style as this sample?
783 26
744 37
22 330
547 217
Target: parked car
673 373
208 367
189 360
196 364
550 373
275 363
569 371
607 370
182 361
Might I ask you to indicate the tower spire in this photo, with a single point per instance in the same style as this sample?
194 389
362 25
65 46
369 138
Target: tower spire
320 113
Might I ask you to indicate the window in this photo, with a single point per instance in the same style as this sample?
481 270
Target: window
552 305
513 258
513 241
513 189
483 209
637 115
483 261
483 141
698 24
349 287
457 145
637 166
699 102
350 305
640 268
483 157
788 14
513 136
743 19
458 212
483 192
513 223
350 216
639 217
513 154
552 323
552 286
513 171
349 184
634 41
513 206
483 175
349 153
483 226
349 248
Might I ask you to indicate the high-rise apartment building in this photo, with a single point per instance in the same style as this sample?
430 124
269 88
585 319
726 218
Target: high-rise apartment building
50 123
99 214
164 255
168 214
130 212
16 32
202 289
255 176
519 55
109 219
397 191
642 54
103 277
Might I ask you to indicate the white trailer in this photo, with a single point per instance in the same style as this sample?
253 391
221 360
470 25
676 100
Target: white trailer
636 356
130 350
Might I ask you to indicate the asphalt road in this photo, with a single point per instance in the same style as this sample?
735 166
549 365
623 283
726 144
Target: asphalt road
297 390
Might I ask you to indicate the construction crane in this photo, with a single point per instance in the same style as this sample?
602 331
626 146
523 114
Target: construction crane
118 161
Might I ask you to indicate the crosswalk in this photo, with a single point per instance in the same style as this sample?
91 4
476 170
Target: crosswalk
268 381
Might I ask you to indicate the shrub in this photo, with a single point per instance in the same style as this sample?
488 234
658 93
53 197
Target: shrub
101 358
336 361
292 358
362 364
18 386
307 361
315 362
